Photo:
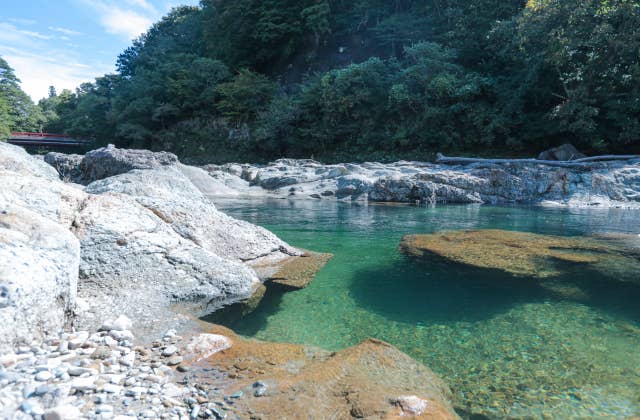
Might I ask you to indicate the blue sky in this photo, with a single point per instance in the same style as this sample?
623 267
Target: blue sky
67 42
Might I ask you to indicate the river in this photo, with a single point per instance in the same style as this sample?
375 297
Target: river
507 346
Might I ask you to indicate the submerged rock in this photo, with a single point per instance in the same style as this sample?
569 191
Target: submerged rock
518 253
293 272
370 380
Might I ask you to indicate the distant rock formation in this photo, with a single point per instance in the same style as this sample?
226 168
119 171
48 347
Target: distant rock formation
603 184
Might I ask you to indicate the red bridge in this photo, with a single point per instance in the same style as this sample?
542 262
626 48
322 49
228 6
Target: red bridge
44 139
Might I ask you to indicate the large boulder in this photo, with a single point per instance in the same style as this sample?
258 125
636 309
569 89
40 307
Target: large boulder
38 275
170 195
134 263
109 161
563 152
15 159
49 198
68 166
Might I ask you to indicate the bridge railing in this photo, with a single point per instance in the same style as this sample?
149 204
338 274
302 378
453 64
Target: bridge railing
44 139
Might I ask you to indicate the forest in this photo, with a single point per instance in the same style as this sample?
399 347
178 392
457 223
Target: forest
337 80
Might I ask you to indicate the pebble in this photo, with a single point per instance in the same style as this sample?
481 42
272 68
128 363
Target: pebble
122 323
128 359
169 351
175 360
97 376
43 376
104 408
112 388
31 408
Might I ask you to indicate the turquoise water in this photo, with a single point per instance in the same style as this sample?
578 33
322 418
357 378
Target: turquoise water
508 346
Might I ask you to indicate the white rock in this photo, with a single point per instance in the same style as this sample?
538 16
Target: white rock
112 388
84 384
128 359
122 323
65 412
169 351
206 345
43 376
412 405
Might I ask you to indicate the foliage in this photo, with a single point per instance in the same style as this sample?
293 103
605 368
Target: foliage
17 110
362 79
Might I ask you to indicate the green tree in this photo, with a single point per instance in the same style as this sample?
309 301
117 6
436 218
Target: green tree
23 114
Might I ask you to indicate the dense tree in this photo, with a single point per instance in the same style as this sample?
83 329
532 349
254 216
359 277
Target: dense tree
17 110
363 79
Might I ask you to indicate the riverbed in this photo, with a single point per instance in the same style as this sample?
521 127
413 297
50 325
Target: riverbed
564 347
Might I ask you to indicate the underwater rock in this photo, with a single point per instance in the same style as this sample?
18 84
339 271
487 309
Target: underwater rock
293 272
370 380
520 253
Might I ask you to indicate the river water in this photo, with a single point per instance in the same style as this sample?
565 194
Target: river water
507 346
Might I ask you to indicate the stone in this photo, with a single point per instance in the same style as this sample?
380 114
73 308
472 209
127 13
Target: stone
122 323
204 346
17 160
112 388
174 360
84 384
67 165
128 359
64 412
169 351
564 152
43 376
412 405
32 407
110 161
101 353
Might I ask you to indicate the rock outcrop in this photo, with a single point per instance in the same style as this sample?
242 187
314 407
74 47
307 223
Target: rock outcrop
38 276
604 184
148 238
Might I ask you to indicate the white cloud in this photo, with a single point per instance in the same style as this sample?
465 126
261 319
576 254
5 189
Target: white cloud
128 22
7 30
23 21
64 31
37 72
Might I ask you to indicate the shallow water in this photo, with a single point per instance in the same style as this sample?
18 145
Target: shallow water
508 346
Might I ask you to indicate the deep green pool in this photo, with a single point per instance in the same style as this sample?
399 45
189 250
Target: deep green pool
507 346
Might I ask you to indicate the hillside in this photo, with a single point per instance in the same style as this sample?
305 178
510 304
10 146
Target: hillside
369 79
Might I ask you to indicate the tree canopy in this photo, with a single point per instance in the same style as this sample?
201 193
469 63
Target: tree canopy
362 79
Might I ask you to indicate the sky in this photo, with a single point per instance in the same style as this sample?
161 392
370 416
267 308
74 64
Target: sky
64 43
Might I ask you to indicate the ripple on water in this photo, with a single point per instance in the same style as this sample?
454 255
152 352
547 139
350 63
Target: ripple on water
561 348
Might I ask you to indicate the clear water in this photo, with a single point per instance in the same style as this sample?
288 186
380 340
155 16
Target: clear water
507 346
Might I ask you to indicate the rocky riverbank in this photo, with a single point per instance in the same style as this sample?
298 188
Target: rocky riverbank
604 184
93 272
